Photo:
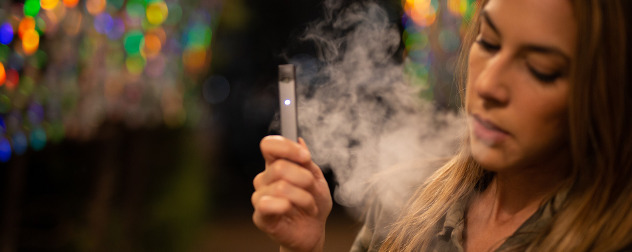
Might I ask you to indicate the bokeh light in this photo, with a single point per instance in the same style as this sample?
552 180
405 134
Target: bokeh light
49 4
151 45
26 24
132 42
194 58
95 7
3 126
216 89
4 52
135 64
30 41
38 139
157 13
139 51
5 150
458 7
71 3
20 143
198 36
422 12
40 25
103 23
31 7
117 30
6 33
13 78
3 74
431 47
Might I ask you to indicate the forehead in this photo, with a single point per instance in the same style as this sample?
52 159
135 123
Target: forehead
542 22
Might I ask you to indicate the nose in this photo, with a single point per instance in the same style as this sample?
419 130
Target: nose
492 83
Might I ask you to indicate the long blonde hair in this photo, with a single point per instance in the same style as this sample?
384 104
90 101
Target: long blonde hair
597 212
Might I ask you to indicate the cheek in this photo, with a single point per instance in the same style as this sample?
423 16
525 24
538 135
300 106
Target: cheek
544 121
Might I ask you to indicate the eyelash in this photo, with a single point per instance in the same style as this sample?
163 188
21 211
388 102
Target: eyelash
546 78
488 46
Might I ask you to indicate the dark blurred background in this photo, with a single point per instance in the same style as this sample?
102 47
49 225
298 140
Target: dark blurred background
134 125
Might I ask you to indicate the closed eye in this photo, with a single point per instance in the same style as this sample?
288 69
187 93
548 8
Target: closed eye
544 77
488 46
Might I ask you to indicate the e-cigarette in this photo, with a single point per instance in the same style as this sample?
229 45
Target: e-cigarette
287 100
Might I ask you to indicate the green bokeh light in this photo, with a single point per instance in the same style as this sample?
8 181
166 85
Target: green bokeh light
4 52
132 42
38 139
135 10
199 35
31 8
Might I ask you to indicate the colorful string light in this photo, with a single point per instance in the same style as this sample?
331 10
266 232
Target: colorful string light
129 52
431 47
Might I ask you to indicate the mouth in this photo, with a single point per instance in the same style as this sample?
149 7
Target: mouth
486 131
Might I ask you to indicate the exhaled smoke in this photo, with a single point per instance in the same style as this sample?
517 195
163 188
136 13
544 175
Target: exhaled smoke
360 116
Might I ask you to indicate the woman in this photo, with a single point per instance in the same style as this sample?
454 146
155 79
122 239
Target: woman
547 163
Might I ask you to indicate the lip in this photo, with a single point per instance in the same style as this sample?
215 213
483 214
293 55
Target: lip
486 131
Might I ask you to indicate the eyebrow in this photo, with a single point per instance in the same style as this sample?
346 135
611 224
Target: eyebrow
527 47
489 22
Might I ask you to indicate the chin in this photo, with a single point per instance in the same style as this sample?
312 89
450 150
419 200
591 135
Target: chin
490 158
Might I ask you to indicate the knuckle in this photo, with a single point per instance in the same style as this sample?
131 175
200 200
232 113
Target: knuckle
278 166
282 187
254 198
257 180
263 144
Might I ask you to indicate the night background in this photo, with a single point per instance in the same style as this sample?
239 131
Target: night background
134 125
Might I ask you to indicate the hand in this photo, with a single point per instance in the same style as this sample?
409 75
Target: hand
291 198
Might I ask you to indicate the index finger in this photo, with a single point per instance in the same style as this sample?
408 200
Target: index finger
275 147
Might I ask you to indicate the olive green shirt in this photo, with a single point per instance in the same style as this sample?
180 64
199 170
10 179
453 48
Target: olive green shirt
450 235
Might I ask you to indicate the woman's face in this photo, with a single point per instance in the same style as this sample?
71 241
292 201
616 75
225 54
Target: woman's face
517 86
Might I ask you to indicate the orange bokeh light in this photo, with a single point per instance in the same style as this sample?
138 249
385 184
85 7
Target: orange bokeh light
26 24
71 3
158 31
421 12
95 7
3 74
194 59
152 45
49 4
30 42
